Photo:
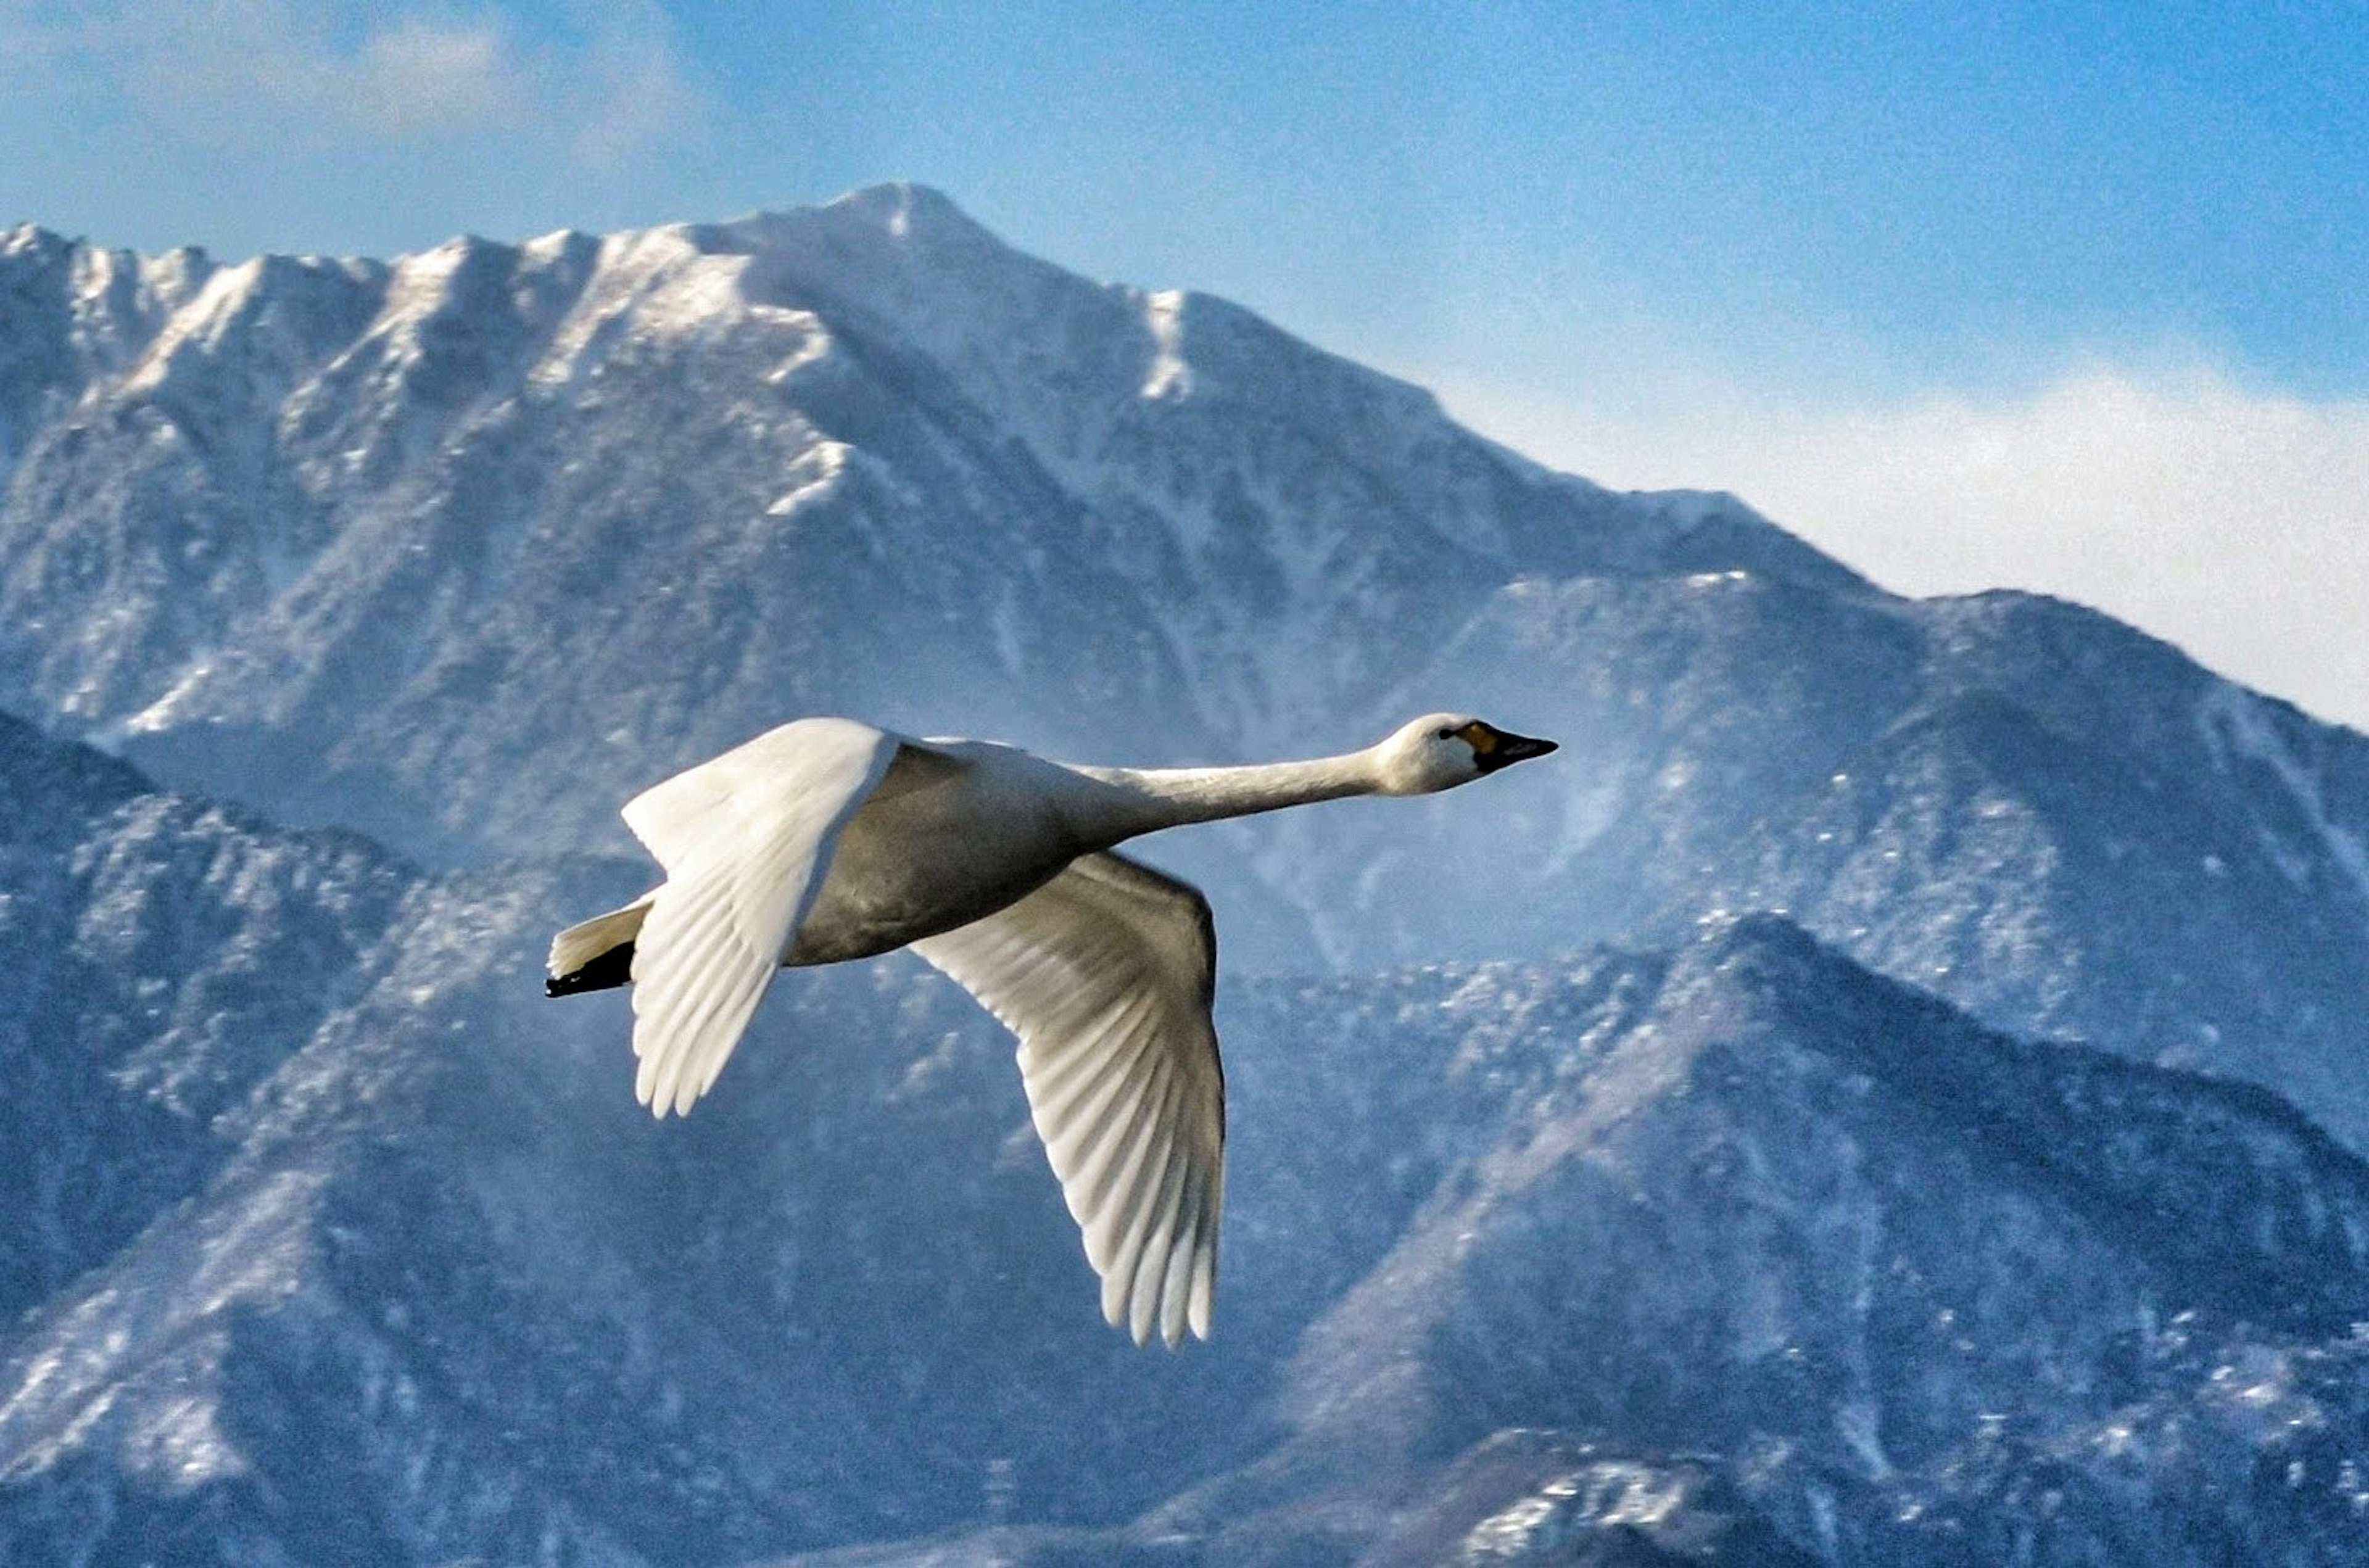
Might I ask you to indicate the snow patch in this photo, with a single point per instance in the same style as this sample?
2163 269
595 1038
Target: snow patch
2238 723
202 323
814 475
169 1325
167 710
93 273
545 249
1170 376
422 283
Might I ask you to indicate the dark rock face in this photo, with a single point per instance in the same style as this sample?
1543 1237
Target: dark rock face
1798 1225
1524 1496
159 957
1770 1257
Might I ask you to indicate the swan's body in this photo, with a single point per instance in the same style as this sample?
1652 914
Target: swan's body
828 840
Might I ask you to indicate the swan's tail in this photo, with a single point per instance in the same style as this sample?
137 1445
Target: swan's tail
597 954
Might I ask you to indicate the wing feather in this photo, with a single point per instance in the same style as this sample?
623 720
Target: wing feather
1087 1101
746 841
1122 1220
1106 974
1211 1199
1096 1156
1176 1295
1147 1242
1123 1207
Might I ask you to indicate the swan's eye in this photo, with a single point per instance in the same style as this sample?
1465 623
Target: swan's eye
1448 735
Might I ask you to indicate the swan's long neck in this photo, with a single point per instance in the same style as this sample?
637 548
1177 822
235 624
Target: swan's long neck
1143 800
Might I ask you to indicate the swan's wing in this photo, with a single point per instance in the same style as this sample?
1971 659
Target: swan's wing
676 817
1105 973
746 839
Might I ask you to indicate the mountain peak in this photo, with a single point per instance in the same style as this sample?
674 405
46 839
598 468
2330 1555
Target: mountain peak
905 209
897 216
32 239
862 457
461 549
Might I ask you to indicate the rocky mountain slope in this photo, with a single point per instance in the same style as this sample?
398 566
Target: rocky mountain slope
570 510
461 549
1798 1225
1764 1250
2051 819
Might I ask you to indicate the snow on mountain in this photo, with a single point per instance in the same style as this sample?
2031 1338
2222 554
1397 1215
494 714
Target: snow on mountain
574 512
2047 817
329 1239
1737 1254
462 549
159 959
1729 1243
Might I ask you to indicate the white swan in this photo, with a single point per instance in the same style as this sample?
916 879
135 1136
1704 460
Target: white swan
828 840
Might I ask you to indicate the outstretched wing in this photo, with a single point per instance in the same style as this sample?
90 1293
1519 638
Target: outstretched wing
1106 973
746 839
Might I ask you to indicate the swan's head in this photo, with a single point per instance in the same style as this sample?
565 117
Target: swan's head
1441 751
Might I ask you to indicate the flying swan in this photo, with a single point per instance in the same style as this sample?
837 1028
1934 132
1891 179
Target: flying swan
828 840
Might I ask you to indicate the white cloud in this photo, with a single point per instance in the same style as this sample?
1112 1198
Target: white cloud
417 76
245 75
624 88
2232 521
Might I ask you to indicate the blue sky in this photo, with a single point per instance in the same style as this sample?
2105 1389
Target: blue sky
2066 297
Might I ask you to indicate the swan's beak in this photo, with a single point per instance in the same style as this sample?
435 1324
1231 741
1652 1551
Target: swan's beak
1502 750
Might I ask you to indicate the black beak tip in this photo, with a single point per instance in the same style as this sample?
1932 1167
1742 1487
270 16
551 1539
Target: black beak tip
1512 749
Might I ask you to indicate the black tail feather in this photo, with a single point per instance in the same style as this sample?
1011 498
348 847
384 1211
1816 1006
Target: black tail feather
615 967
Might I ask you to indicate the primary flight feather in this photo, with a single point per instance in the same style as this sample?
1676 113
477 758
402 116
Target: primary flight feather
827 839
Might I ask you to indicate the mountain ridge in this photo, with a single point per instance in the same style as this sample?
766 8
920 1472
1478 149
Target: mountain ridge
1885 1090
463 549
445 1288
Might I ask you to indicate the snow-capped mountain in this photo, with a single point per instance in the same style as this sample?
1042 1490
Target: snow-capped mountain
1761 1249
461 549
2041 814
487 537
328 1239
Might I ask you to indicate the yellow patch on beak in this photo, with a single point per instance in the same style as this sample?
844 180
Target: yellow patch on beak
1480 737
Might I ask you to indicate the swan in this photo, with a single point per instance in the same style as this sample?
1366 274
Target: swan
829 840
